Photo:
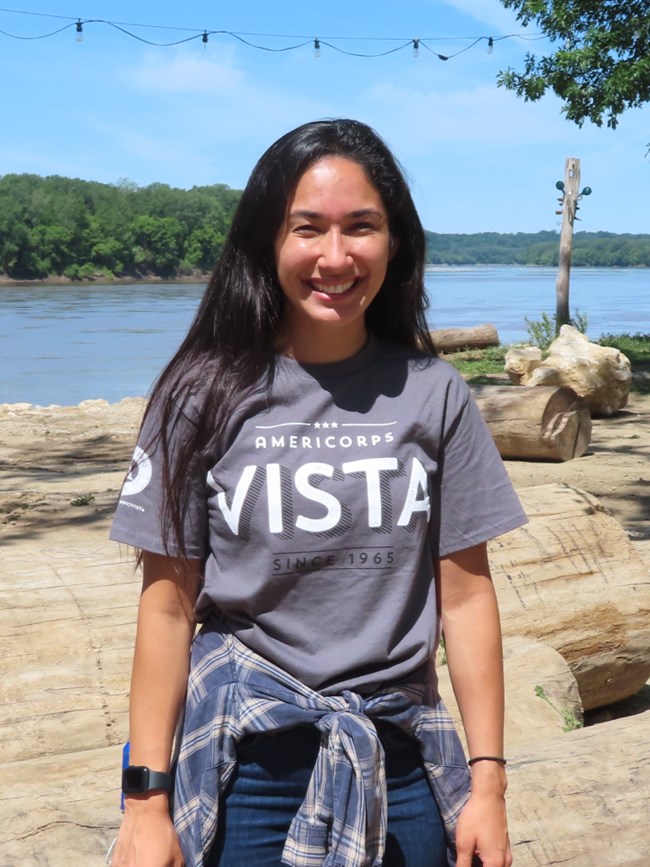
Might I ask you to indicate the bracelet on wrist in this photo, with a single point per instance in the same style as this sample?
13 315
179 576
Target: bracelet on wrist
498 759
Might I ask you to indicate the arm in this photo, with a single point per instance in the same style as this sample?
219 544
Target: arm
159 680
470 622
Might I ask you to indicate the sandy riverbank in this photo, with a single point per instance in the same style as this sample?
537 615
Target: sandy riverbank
67 612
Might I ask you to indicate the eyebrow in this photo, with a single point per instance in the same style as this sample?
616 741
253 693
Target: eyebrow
315 215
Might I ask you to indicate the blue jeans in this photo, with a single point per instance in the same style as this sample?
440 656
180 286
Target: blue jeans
272 780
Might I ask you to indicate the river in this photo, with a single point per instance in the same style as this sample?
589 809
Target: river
65 344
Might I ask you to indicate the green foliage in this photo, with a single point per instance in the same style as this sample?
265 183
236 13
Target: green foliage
580 321
479 365
637 348
592 249
542 332
82 500
61 226
571 723
600 65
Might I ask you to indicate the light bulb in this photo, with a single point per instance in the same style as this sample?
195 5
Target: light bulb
490 48
416 48
80 31
204 39
316 48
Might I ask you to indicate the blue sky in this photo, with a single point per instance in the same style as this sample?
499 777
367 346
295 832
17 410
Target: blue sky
478 158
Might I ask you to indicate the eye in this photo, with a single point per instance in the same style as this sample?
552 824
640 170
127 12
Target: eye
305 230
362 227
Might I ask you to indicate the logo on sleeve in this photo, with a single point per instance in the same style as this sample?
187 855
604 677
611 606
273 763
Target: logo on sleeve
139 475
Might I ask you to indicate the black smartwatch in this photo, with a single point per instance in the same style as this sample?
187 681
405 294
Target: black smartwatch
137 780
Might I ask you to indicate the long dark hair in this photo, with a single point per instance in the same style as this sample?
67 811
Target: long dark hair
229 346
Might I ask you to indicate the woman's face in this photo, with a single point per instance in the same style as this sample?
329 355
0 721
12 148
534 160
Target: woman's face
331 258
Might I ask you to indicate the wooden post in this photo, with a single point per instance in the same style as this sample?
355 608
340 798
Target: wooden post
571 192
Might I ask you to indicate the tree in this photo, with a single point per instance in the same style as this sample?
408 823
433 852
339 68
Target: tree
602 64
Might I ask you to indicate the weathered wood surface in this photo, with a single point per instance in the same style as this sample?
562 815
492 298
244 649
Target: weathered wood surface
572 579
529 717
66 640
583 799
569 204
454 339
601 375
535 423
61 810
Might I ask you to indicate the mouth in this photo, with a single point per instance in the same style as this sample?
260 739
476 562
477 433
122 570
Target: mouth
333 288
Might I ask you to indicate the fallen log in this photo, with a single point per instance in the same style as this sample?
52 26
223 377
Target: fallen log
454 339
572 579
582 798
535 423
542 696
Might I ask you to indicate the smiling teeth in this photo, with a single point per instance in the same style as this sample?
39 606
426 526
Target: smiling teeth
337 289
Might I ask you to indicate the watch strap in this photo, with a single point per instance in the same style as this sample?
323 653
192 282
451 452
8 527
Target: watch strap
138 779
160 780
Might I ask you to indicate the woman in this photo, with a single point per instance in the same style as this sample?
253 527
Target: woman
316 487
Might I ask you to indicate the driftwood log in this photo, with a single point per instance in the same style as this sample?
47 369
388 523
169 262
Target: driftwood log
572 579
454 339
535 423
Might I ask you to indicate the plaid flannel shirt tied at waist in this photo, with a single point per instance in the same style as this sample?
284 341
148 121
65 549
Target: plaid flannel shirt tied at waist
233 692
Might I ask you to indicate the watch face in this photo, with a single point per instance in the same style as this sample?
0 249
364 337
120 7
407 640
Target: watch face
135 780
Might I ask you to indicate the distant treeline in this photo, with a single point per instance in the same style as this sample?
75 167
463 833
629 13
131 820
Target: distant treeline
78 229
591 249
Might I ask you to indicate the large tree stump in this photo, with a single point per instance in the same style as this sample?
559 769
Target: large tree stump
453 339
535 423
572 579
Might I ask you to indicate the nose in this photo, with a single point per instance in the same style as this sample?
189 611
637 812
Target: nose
334 252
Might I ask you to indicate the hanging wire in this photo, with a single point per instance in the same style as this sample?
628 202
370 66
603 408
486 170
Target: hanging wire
265 47
358 54
42 36
241 36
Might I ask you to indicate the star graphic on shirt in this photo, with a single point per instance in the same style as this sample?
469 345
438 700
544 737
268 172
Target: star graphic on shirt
317 424
334 425
326 424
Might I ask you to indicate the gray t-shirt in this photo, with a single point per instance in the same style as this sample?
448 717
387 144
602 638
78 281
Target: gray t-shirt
332 495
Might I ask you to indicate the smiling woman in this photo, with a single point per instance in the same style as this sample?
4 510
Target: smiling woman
316 487
332 258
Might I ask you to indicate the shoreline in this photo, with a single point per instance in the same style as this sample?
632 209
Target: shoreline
97 403
103 280
100 279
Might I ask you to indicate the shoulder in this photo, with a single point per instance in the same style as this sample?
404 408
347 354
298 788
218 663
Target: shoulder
425 371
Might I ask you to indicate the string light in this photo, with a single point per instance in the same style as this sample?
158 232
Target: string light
204 34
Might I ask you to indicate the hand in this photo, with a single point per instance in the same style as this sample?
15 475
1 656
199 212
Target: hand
482 826
147 837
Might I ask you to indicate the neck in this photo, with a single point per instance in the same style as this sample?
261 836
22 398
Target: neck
316 348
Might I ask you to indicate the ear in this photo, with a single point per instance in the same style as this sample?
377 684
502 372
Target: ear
393 247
